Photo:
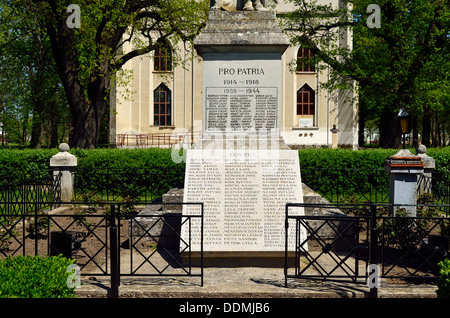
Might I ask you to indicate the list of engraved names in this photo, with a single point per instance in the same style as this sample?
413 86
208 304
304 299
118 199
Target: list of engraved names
241 109
244 195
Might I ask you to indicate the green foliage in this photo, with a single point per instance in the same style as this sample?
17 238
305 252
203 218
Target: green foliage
443 282
442 157
364 159
127 173
344 158
26 164
35 277
400 64
343 172
154 168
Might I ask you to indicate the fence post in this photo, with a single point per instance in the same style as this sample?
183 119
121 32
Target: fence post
373 245
114 292
429 165
63 163
404 169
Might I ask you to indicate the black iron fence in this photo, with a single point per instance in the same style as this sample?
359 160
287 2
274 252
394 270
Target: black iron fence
42 191
136 185
357 186
112 240
436 186
348 186
340 242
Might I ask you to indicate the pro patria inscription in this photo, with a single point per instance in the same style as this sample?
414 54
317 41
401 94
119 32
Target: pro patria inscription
241 96
241 170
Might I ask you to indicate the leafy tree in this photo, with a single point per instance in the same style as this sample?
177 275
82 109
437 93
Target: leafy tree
29 85
399 65
88 58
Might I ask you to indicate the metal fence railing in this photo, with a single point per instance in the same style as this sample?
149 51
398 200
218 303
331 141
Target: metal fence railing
110 240
348 186
342 244
157 139
122 185
356 186
41 191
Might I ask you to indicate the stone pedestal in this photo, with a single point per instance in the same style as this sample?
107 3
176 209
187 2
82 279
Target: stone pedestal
63 164
241 54
404 169
429 165
241 169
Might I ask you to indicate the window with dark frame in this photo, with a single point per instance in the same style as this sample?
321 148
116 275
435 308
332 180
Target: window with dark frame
162 106
306 100
163 57
303 55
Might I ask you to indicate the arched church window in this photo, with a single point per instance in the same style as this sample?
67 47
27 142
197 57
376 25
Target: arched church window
163 57
162 106
305 101
303 56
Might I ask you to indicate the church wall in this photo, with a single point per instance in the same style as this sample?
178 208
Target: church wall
136 116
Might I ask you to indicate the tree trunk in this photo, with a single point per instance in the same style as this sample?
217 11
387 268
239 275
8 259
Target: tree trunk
36 131
426 130
415 131
390 136
362 124
87 106
54 128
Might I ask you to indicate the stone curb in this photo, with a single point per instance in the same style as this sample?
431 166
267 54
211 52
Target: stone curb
131 289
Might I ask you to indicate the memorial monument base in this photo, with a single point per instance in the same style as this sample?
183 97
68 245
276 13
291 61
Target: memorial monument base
239 259
244 192
241 169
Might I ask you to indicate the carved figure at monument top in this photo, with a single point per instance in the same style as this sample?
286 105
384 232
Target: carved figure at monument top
230 5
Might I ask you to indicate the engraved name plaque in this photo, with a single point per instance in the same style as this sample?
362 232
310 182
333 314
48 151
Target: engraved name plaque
244 194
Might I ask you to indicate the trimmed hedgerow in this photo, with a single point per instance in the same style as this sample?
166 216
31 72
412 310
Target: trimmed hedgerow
18 166
26 164
127 172
155 165
443 282
35 277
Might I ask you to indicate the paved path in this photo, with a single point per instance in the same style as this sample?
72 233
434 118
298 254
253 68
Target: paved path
236 282
245 282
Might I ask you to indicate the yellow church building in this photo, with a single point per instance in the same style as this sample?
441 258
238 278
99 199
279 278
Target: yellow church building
166 105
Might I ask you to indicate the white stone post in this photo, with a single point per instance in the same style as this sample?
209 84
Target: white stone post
429 165
62 164
404 169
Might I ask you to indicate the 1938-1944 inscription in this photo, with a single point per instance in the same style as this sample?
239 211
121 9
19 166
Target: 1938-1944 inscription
241 109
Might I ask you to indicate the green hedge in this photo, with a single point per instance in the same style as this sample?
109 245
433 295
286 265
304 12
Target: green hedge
344 158
364 159
30 161
144 167
155 167
443 283
127 172
35 277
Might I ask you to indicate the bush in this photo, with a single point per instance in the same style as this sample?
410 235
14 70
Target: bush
153 167
26 164
97 170
443 283
126 172
337 170
35 277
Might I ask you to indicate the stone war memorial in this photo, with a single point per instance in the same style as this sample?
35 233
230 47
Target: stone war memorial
241 168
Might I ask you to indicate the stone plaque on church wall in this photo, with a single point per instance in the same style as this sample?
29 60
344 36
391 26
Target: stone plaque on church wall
241 92
244 194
